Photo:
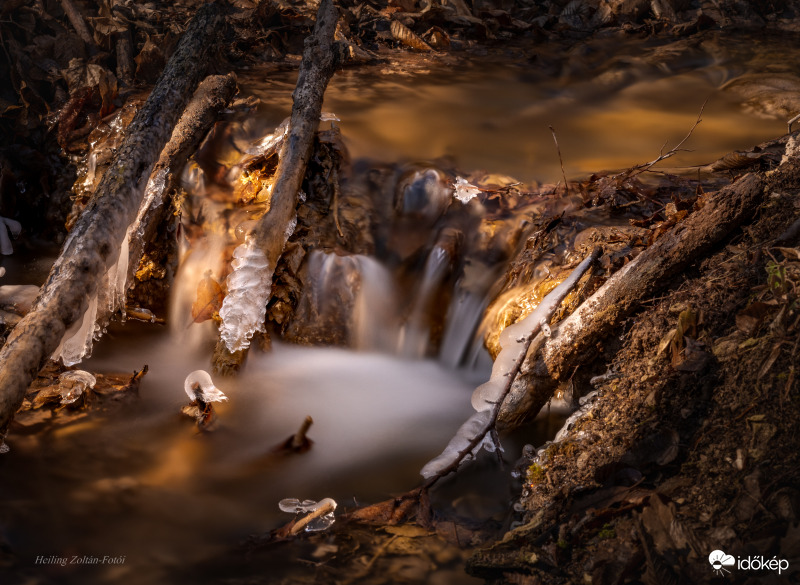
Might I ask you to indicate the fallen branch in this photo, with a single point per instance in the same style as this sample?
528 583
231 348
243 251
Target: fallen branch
93 246
79 24
517 344
244 308
575 340
211 97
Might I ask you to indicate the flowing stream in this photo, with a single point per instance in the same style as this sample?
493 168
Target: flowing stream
144 484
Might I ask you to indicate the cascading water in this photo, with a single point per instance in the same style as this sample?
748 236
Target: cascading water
379 410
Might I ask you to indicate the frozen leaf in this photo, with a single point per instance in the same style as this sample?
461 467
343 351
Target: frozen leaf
464 191
199 386
209 299
73 384
319 514
295 506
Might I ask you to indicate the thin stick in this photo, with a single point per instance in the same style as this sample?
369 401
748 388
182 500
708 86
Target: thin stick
560 160
533 343
299 438
326 506
673 151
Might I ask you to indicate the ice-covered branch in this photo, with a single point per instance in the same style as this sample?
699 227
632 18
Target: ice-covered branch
94 244
487 399
266 242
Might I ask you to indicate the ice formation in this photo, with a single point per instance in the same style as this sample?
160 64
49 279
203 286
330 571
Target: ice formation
486 399
8 228
73 384
515 340
476 425
320 521
109 297
245 305
199 386
464 191
270 140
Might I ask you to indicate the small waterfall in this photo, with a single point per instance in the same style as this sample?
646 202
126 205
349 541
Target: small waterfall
463 318
350 301
375 310
415 333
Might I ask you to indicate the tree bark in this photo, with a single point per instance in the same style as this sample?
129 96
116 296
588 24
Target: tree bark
95 241
316 70
575 340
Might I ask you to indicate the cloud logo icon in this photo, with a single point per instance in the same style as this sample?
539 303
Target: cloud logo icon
719 560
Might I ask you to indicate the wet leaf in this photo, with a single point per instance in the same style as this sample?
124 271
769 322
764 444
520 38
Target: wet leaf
734 161
47 395
407 530
406 36
209 299
388 512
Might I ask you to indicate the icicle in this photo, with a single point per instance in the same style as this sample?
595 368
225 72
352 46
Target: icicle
77 341
249 286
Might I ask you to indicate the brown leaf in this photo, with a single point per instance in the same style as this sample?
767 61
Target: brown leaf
403 34
388 512
770 361
209 299
749 320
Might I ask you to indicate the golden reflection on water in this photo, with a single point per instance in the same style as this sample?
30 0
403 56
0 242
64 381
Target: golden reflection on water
489 118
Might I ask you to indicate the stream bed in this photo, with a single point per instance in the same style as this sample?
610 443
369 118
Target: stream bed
142 484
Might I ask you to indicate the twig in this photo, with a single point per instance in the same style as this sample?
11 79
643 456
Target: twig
335 203
792 121
326 506
560 160
531 344
300 438
672 151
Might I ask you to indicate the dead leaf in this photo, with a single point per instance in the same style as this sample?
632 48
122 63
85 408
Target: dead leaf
407 530
749 320
770 361
388 512
209 299
666 340
406 36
